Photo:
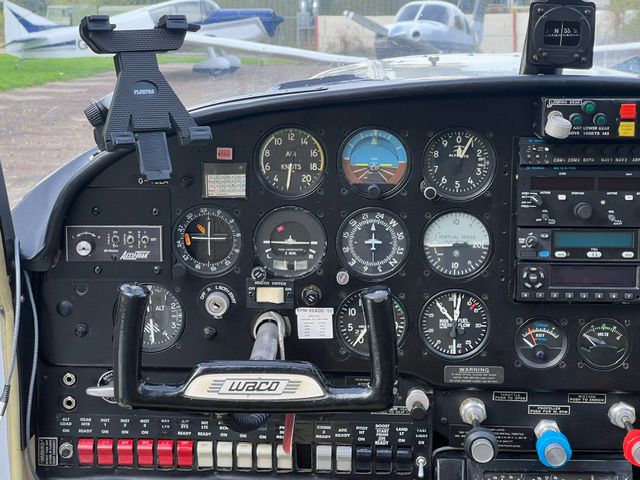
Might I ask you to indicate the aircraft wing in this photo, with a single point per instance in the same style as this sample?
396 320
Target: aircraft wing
269 50
624 57
367 23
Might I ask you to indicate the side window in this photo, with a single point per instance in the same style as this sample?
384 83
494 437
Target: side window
435 13
156 13
191 10
459 23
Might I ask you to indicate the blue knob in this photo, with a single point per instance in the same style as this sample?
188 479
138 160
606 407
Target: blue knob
553 449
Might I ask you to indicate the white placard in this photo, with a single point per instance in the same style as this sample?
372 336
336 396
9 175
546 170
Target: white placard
315 323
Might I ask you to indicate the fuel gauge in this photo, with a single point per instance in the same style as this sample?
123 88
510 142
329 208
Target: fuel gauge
541 343
604 343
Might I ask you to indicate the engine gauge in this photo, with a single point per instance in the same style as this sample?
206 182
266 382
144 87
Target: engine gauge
290 242
454 324
163 320
604 343
352 328
291 162
540 343
373 243
459 164
456 244
374 162
208 241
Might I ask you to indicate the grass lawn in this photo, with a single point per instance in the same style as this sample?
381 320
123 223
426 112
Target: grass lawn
19 73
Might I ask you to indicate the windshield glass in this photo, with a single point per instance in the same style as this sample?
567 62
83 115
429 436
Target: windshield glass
48 75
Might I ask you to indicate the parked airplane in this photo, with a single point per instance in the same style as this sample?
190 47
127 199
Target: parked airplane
29 35
426 27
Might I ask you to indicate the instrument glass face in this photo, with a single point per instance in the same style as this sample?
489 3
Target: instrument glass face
375 163
604 344
291 162
290 242
541 343
163 320
459 163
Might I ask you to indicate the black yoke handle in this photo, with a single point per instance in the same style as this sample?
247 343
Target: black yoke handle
252 385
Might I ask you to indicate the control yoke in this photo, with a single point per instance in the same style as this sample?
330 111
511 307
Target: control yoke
249 385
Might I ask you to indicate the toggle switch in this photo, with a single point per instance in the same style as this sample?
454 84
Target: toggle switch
184 453
284 461
145 453
85 451
204 454
623 415
244 456
552 445
164 450
224 455
364 459
480 444
124 448
343 458
264 457
324 458
105 452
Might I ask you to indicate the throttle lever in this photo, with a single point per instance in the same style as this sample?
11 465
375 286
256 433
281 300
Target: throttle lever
249 385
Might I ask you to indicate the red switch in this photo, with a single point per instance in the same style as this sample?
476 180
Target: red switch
145 453
125 452
184 449
85 451
105 451
627 111
165 453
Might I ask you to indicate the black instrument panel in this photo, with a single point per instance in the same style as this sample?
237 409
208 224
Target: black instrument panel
327 223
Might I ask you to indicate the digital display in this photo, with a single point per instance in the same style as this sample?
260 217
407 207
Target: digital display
581 184
614 184
224 180
593 239
560 33
587 276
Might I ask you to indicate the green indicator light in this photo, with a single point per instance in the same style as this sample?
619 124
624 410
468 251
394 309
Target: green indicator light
600 119
588 107
576 119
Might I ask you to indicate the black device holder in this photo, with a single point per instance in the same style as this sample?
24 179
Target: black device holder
144 107
132 391
541 57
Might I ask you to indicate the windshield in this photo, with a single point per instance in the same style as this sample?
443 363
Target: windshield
48 75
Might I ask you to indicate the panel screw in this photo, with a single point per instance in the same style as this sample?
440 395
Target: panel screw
157 269
97 270
95 210
155 212
209 332
81 330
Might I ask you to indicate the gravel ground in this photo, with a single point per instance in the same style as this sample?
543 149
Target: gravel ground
43 127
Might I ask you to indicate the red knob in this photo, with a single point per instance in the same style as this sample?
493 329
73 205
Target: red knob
631 447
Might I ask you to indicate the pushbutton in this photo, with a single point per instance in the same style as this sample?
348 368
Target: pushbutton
145 453
164 450
627 111
284 461
124 448
264 457
85 451
383 460
105 451
204 454
364 458
627 129
343 459
184 452
244 456
224 455
404 460
324 458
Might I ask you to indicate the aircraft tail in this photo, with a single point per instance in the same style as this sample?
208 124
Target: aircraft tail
479 10
20 23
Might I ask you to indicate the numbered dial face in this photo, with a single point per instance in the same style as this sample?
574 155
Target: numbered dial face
374 163
604 344
163 320
290 242
373 243
352 327
541 343
456 244
291 162
454 324
459 163
208 240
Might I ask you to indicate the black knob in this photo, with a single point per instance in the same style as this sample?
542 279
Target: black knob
373 191
481 445
583 211
96 114
311 295
536 199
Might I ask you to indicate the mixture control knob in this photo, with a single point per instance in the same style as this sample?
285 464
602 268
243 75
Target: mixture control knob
552 445
84 248
217 304
623 415
583 211
417 402
557 126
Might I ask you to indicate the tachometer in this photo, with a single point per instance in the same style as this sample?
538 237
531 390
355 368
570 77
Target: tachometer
163 320
292 162
290 242
540 343
373 243
604 343
374 162
208 240
456 244
454 324
352 327
458 164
